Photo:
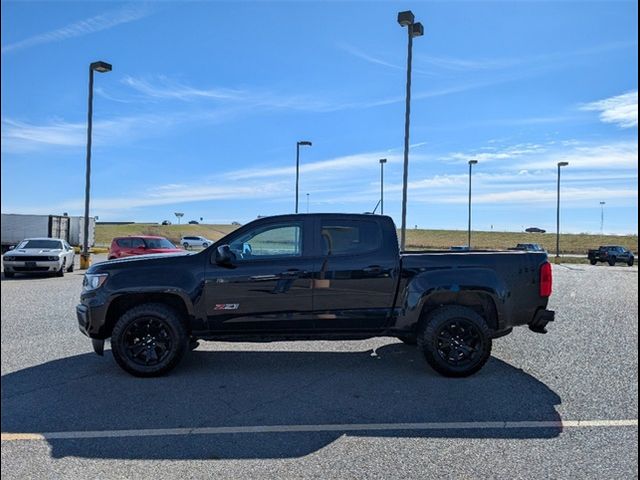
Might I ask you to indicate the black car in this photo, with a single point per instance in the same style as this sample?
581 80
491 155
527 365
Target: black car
611 254
314 277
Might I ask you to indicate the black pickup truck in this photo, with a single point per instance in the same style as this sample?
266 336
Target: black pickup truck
313 277
611 254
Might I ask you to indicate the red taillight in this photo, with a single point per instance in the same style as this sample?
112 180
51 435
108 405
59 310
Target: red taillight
546 280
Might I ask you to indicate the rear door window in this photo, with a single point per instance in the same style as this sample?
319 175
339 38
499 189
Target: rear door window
124 242
344 237
137 243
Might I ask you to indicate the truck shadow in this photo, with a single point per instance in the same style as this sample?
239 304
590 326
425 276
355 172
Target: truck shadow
228 388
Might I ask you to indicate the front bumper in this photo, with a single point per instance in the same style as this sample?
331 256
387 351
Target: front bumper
21 266
541 319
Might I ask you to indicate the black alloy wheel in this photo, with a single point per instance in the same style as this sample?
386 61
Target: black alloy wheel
459 342
149 340
455 340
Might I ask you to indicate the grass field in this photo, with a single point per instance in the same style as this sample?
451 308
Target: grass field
416 239
105 233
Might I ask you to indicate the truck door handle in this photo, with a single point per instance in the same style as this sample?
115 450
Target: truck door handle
259 278
291 273
372 269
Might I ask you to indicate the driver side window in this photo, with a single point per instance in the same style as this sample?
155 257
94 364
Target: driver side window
268 242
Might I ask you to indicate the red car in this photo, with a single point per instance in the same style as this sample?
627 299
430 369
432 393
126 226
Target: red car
140 245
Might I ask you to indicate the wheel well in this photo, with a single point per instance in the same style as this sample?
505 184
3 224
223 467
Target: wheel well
123 303
481 303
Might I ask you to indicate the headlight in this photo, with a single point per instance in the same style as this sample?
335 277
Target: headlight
53 259
93 281
9 259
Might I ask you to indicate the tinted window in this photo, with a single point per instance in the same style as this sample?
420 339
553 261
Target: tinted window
124 242
159 243
51 244
137 243
269 241
344 237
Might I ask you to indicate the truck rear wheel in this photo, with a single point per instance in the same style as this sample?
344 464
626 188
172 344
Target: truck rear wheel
593 261
612 261
149 340
455 341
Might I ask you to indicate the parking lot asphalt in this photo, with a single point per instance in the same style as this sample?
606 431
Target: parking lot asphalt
584 369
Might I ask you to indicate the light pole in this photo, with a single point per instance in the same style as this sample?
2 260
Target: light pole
602 204
382 162
307 203
560 164
406 19
100 67
304 143
471 163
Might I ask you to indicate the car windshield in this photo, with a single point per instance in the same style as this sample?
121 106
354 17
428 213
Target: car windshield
51 244
158 243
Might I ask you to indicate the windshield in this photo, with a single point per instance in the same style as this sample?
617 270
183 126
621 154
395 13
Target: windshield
52 244
158 243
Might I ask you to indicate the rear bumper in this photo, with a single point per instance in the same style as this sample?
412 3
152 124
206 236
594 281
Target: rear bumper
541 319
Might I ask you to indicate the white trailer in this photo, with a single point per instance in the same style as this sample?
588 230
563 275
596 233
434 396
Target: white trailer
17 227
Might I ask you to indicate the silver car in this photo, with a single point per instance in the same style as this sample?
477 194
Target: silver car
39 255
194 241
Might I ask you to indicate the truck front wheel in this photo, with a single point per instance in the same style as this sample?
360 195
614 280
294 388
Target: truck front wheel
455 341
149 340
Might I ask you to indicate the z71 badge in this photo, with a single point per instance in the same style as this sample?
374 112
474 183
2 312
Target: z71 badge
227 306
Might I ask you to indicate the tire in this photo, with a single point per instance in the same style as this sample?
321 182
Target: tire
593 262
630 262
165 338
185 245
463 326
612 261
408 339
205 245
60 273
70 269
9 274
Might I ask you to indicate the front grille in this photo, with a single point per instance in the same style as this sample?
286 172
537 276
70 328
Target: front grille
31 269
31 258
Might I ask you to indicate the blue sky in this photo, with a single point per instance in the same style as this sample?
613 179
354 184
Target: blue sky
206 101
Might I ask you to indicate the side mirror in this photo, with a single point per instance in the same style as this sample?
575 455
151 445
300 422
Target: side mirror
224 256
11 247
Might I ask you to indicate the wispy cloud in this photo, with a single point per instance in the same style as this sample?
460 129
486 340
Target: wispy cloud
19 136
165 88
621 109
539 196
338 164
87 26
367 57
533 156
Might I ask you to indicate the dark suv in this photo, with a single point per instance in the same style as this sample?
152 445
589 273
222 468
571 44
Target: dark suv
611 254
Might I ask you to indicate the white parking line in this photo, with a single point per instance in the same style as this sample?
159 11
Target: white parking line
349 427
